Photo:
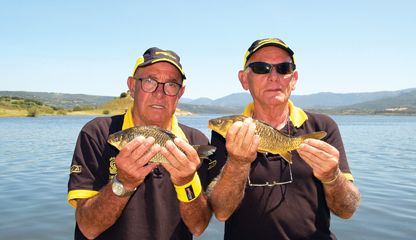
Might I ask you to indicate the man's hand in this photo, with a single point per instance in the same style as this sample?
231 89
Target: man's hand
183 164
321 157
242 142
133 161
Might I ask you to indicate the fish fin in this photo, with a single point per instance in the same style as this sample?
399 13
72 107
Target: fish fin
287 156
315 135
204 150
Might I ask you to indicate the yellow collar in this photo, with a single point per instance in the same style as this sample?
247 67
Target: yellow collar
297 115
175 129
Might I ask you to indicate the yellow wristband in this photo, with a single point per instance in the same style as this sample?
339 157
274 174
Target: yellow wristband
189 191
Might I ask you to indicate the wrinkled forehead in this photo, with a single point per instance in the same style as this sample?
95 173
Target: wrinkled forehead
160 70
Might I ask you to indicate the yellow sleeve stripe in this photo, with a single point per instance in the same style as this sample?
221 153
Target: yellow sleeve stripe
73 195
348 176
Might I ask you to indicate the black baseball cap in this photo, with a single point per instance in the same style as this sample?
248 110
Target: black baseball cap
256 45
154 55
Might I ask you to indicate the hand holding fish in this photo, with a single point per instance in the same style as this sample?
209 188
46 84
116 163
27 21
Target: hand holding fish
182 164
242 142
321 157
132 161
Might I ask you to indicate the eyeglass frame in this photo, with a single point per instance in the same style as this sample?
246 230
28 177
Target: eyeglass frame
157 85
272 184
271 66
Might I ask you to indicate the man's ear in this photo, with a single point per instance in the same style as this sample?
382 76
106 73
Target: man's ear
131 84
181 92
242 76
294 80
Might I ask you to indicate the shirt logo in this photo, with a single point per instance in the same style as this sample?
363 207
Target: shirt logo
113 168
212 164
76 169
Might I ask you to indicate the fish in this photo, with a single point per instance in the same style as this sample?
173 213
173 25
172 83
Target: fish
161 135
271 139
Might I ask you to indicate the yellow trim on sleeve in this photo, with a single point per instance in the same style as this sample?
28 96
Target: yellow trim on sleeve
73 195
348 176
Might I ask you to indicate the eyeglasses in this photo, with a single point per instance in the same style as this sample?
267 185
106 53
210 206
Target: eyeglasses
265 68
150 85
284 165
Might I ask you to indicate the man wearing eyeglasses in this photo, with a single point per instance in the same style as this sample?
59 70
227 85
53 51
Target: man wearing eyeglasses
262 196
120 194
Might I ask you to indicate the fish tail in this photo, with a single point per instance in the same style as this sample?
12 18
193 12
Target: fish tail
314 135
204 150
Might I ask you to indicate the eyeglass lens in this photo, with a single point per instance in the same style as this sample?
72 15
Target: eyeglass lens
264 68
169 88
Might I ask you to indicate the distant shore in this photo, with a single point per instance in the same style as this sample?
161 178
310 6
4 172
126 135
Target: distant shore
95 112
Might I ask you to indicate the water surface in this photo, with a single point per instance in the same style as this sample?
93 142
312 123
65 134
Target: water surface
35 154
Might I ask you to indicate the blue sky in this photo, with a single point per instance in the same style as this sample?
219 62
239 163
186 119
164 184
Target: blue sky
90 47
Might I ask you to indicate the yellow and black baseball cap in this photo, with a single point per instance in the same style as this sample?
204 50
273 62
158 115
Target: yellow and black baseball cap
256 45
154 55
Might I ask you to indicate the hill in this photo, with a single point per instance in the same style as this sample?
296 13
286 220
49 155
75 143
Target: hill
60 100
384 102
18 106
405 103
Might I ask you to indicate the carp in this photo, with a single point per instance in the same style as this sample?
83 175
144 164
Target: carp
121 138
271 139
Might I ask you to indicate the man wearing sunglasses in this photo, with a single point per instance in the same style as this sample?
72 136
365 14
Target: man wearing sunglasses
119 194
262 196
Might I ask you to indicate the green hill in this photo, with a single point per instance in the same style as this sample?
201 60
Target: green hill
60 100
17 106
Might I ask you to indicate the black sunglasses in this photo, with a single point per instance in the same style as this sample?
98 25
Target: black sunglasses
264 68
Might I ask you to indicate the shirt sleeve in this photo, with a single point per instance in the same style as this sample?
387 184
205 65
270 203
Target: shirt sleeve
219 158
334 138
89 173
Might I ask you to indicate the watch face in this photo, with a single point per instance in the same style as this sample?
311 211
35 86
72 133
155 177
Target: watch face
117 188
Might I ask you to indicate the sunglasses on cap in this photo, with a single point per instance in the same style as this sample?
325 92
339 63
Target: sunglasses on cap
265 68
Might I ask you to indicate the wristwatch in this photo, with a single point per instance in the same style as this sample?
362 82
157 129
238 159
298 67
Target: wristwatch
118 188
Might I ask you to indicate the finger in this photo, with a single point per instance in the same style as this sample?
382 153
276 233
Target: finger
131 146
143 148
316 159
179 156
254 145
232 131
249 137
321 145
306 156
144 159
145 170
171 169
241 135
188 150
169 157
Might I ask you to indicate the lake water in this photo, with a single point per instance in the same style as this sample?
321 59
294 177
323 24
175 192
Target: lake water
35 154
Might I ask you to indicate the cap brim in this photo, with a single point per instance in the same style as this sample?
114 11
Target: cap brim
140 63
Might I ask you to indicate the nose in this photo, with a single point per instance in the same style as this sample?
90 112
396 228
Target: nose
274 75
159 89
